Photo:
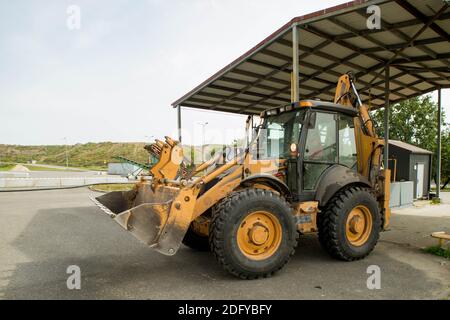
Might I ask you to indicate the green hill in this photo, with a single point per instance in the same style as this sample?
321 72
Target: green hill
80 155
88 155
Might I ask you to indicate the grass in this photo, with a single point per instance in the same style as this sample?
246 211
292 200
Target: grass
438 251
435 201
112 187
6 166
446 189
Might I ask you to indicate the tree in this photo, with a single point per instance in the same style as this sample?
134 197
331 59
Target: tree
445 166
414 121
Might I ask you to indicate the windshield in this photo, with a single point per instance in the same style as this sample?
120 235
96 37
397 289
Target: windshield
279 132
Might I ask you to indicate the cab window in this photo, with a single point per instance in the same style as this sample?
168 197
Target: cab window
321 139
347 143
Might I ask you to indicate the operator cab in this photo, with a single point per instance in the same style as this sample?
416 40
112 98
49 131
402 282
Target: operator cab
308 137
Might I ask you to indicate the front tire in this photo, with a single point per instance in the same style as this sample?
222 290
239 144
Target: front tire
350 224
253 233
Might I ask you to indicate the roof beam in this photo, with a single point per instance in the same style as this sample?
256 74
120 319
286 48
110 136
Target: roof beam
409 97
328 89
326 69
404 24
344 61
220 97
422 30
249 85
268 77
417 43
223 108
409 43
257 76
256 84
424 19
440 56
232 90
411 69
343 43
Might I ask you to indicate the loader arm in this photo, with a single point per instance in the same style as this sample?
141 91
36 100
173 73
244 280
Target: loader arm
370 146
169 162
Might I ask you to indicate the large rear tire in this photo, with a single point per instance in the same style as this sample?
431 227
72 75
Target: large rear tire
350 224
253 233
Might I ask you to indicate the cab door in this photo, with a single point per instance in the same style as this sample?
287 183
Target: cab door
329 140
320 149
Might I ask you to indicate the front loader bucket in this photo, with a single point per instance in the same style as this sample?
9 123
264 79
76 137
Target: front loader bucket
146 214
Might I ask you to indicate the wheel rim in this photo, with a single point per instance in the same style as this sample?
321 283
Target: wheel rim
259 235
359 225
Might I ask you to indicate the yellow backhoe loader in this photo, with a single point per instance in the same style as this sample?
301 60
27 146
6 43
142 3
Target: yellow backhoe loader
311 166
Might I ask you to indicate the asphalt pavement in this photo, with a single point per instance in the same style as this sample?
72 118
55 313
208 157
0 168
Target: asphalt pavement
42 233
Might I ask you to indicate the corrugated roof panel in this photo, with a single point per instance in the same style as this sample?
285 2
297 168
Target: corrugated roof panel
283 76
392 13
329 27
255 67
308 38
355 20
337 51
441 47
266 57
237 74
426 7
317 61
444 25
282 49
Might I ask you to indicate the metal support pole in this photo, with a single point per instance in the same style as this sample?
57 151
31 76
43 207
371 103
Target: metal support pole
386 116
438 156
295 96
179 123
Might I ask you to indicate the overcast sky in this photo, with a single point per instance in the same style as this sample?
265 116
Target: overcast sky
115 78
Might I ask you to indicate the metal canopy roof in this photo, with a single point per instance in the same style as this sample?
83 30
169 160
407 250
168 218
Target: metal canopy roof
413 40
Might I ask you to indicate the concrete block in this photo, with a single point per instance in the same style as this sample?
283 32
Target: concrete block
394 200
406 193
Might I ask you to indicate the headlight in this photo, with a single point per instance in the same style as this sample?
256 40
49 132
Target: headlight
293 147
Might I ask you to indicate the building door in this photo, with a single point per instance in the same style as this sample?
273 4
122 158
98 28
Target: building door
420 180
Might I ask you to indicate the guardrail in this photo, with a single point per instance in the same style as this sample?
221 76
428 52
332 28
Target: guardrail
11 183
